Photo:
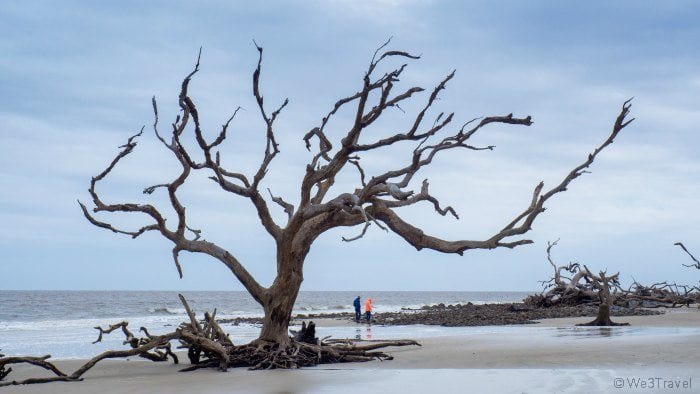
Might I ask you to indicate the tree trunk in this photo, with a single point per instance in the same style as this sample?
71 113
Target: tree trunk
280 301
603 318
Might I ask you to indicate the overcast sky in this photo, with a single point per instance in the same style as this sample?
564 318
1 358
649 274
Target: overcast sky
76 80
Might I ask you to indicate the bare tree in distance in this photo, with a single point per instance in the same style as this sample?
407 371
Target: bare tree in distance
374 201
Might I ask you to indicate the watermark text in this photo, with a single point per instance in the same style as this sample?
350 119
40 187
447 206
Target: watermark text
653 383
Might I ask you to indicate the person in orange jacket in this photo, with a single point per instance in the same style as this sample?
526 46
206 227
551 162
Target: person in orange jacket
368 309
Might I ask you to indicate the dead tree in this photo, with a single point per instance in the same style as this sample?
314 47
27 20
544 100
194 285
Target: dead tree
374 201
602 283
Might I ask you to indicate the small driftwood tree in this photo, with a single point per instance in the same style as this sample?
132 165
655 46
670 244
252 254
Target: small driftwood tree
375 200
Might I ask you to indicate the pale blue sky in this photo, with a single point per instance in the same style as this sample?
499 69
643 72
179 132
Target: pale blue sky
76 80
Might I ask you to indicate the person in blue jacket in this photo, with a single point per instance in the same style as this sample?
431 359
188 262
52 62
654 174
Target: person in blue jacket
358 313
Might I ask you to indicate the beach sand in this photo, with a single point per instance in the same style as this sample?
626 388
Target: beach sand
552 356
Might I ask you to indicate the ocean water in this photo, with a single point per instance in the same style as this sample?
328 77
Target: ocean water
61 323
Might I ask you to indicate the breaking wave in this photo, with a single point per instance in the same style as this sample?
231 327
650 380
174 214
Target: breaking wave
311 308
166 311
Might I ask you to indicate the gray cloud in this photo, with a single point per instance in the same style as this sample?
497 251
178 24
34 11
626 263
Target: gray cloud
77 81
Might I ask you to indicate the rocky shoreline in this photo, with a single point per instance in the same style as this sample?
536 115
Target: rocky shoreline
469 314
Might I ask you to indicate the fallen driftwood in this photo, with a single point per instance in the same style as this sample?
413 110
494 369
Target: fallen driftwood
574 284
661 294
208 346
664 294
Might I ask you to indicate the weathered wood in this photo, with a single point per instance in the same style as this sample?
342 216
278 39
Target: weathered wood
36 361
695 260
217 333
603 318
602 283
569 285
140 350
190 314
306 334
583 286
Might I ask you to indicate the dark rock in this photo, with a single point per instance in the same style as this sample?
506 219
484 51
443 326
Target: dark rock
470 314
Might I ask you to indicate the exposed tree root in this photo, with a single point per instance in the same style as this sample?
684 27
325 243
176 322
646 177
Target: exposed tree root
208 346
602 323
299 354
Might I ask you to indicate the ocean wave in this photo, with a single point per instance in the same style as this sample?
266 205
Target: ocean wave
166 311
314 308
311 308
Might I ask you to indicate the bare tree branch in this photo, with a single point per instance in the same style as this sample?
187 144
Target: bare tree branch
422 196
271 146
521 224
178 236
697 263
288 208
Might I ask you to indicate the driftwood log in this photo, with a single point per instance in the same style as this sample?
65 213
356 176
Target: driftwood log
208 346
664 293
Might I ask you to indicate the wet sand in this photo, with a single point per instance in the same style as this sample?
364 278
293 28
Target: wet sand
551 356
